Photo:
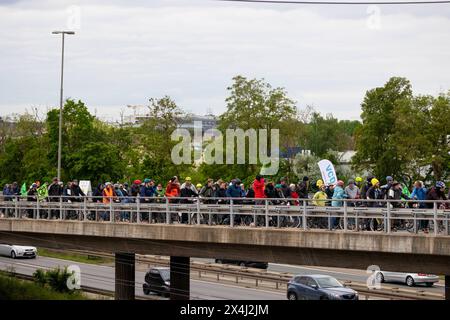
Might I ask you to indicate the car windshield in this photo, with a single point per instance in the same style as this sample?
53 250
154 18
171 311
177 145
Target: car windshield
328 282
165 274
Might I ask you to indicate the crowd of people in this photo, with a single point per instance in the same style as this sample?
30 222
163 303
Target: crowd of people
279 193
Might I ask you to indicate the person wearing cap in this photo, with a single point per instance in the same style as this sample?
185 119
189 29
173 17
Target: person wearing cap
188 184
385 188
207 191
109 193
352 192
135 189
187 191
359 182
302 188
320 200
329 190
436 193
198 187
31 196
366 188
55 191
294 194
285 187
396 193
147 191
320 197
319 183
374 193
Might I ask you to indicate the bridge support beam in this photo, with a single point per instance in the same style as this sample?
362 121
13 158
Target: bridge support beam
125 276
179 278
447 287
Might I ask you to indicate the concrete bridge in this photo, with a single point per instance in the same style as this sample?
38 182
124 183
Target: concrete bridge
395 251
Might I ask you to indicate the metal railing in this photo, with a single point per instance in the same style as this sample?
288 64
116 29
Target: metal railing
346 214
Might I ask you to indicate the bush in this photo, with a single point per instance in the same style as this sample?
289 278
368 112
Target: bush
56 279
12 288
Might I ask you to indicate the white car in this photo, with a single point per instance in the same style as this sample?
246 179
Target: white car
14 251
410 279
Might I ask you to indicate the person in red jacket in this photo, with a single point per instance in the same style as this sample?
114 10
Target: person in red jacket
294 194
258 187
173 188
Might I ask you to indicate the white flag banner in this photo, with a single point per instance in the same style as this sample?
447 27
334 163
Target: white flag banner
85 186
328 172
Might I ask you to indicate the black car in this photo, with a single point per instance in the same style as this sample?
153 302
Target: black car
157 280
250 264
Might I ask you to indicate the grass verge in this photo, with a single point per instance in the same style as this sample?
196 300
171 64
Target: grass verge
74 257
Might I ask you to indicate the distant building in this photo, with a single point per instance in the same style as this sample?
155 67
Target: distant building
190 122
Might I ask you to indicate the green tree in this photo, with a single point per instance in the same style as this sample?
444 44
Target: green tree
254 104
376 148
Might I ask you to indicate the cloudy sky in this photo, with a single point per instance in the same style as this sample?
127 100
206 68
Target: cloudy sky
125 52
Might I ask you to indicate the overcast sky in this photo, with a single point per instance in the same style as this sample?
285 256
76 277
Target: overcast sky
125 52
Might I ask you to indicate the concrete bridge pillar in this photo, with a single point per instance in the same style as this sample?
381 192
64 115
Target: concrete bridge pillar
179 278
447 287
125 276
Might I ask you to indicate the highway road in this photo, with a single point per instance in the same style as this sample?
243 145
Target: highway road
353 275
102 277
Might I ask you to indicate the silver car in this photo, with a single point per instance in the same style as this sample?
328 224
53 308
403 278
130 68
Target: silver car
410 279
14 251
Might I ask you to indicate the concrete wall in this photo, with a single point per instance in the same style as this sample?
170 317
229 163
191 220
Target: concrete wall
397 252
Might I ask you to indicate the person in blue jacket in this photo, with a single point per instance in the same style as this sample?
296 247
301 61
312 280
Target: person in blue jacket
420 193
338 194
147 190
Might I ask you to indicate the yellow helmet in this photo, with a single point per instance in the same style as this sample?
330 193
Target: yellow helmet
359 179
319 183
374 181
199 185
188 179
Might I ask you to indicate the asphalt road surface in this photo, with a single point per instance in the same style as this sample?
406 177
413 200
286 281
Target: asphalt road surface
102 277
353 275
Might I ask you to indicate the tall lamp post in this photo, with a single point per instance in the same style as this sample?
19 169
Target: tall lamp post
63 33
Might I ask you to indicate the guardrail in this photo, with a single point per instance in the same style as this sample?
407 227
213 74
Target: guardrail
348 214
279 280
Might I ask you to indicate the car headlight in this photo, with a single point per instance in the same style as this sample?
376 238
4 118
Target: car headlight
167 283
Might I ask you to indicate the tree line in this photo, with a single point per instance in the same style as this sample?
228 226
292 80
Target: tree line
401 135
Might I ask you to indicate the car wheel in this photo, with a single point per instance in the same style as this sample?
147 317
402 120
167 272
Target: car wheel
218 261
242 264
292 296
409 281
379 277
429 284
13 254
146 292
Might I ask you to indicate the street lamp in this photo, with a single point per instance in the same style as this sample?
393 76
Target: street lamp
63 33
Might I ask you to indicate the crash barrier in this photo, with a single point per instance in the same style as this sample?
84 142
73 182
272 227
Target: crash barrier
350 214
